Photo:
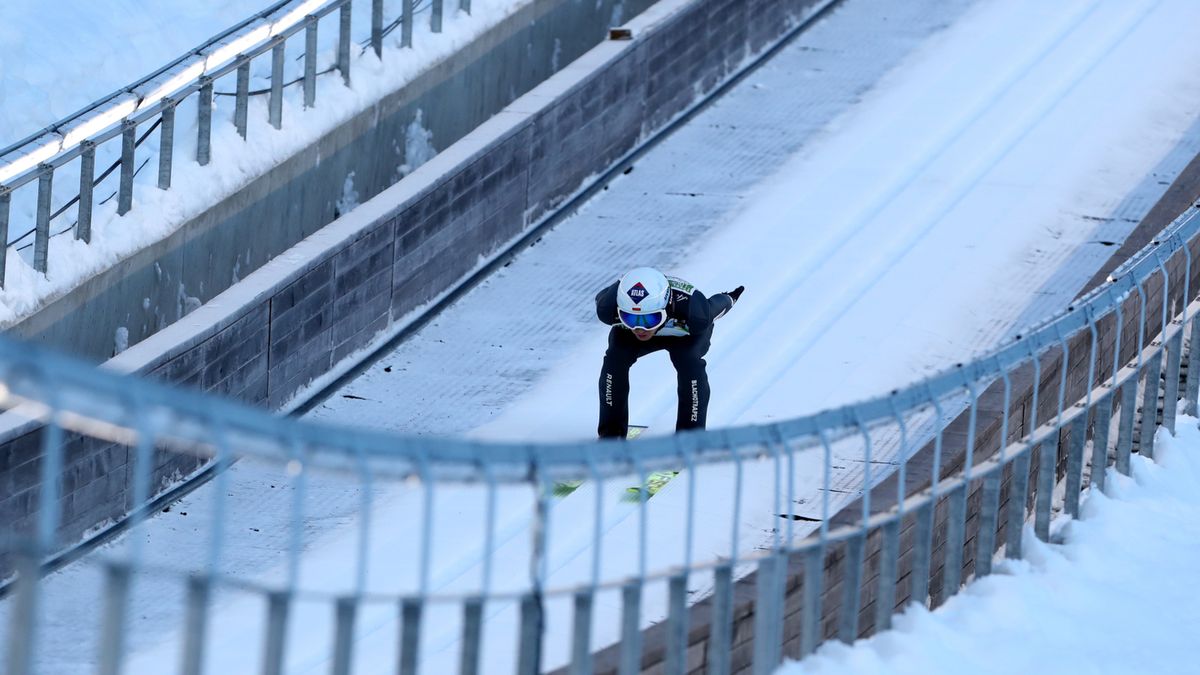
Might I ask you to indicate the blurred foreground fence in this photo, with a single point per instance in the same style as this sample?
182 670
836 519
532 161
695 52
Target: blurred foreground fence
768 541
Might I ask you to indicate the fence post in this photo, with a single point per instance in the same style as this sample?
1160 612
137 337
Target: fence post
275 106
581 634
166 144
345 610
344 39
204 121
1171 385
41 235
241 105
5 202
87 174
406 24
472 635
1153 372
435 17
310 61
720 635
1017 497
410 635
112 630
377 26
128 146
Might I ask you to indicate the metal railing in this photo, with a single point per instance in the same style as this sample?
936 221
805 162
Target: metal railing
106 131
525 558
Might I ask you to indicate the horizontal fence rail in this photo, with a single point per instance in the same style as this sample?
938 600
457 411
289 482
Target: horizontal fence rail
559 551
125 131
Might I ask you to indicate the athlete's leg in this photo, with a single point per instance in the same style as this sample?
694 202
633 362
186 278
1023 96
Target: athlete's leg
623 350
687 354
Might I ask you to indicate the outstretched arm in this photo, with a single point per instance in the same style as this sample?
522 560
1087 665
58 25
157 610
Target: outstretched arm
721 303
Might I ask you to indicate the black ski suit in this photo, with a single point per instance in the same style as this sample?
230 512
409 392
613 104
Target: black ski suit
686 336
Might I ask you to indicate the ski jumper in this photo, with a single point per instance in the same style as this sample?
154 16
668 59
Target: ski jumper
686 336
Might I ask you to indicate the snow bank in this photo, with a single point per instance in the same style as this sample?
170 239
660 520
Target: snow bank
1116 596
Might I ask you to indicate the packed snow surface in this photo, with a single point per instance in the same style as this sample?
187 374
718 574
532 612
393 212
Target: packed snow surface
112 44
1116 594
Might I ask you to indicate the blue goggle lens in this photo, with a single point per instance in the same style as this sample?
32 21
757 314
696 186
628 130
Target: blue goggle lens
647 321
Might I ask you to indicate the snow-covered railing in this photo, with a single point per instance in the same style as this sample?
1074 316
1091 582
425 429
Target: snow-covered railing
551 551
73 145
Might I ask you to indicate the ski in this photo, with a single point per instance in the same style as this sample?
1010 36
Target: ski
564 488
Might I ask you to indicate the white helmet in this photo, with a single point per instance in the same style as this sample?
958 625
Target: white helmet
642 298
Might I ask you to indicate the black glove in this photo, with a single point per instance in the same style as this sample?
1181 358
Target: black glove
735 293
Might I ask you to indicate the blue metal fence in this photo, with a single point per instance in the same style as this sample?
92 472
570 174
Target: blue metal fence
1105 360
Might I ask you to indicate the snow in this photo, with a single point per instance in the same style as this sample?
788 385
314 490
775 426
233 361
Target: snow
877 232
1115 594
114 43
235 162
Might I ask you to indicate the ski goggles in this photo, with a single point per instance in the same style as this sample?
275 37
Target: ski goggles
643 321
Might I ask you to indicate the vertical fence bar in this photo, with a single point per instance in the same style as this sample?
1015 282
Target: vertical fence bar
196 625
677 626
41 234
241 105
204 111
1017 498
472 636
87 174
989 511
885 594
852 588
1150 406
1125 426
1192 388
720 636
310 61
21 632
410 635
275 105
377 26
631 635
465 5
1047 462
406 23
435 17
581 638
343 635
5 204
766 607
344 39
1074 479
128 148
1100 423
922 551
529 645
956 518
277 617
166 144
1171 385
810 623
112 629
